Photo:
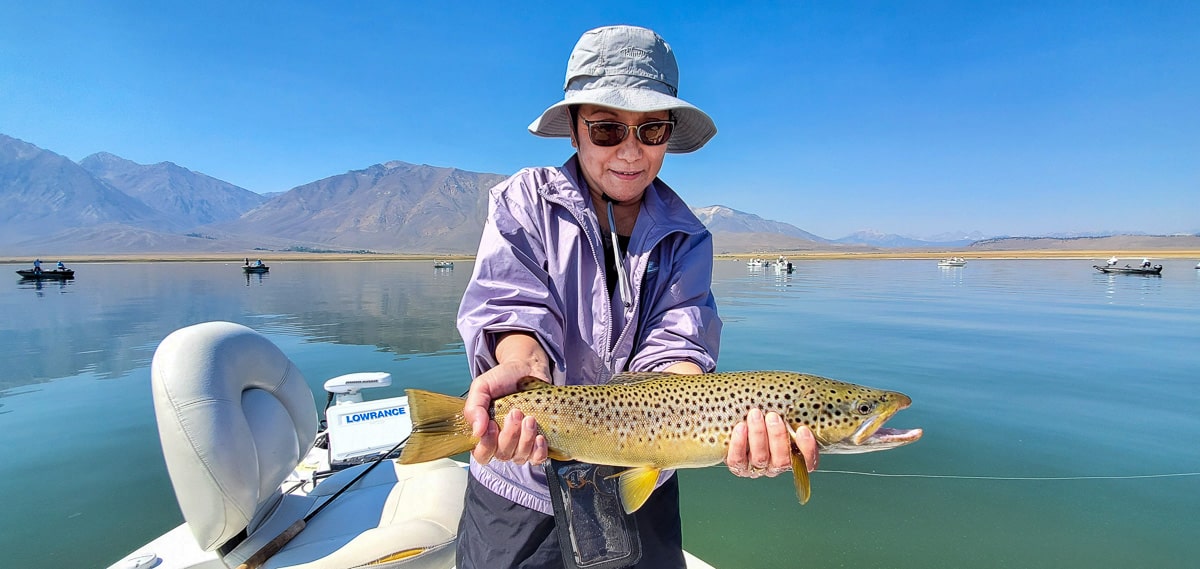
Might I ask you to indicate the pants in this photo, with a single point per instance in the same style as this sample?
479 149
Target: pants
496 533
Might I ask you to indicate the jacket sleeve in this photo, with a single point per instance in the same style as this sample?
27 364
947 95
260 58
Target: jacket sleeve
680 321
509 288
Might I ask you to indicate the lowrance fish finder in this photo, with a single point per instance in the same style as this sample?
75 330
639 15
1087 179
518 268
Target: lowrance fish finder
359 431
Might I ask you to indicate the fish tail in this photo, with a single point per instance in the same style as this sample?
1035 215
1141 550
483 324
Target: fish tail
439 428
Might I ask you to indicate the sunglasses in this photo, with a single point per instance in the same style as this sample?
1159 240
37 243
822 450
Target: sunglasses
612 133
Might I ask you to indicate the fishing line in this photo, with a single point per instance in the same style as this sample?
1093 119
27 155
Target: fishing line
1015 478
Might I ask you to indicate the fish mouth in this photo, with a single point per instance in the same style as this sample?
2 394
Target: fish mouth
883 438
893 437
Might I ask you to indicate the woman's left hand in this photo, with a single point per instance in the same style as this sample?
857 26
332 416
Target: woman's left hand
761 446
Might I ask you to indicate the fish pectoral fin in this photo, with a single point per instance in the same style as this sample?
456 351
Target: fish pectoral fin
799 470
800 477
636 486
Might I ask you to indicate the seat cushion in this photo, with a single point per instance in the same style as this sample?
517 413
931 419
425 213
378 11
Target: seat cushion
234 418
393 509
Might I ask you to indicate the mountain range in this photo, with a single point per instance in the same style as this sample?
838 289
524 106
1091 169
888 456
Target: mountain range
51 205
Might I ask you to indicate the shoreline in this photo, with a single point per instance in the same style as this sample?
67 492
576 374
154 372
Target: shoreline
270 257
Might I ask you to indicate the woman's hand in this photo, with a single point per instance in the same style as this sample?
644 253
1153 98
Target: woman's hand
520 356
761 446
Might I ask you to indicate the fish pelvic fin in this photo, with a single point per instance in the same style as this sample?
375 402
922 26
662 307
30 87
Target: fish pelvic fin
636 486
800 477
439 428
558 454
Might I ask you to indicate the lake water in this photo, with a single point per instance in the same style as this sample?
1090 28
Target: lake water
1061 407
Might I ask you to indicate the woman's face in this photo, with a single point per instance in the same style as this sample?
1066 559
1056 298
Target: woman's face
623 172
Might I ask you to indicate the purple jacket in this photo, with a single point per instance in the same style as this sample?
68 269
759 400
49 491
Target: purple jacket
540 269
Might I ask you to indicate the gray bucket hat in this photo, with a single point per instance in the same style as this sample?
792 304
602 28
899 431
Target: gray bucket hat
632 69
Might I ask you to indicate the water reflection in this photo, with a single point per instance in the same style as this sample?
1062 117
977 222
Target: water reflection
114 319
255 278
42 286
951 275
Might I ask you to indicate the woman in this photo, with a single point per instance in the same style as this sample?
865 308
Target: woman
586 271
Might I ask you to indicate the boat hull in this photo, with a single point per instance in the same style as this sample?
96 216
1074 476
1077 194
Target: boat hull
47 275
1156 270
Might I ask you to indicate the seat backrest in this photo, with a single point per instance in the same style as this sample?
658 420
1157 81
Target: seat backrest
235 417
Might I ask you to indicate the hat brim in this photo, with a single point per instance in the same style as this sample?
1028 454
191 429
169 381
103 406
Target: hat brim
693 128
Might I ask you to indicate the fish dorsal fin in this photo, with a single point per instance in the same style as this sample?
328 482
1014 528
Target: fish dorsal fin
631 377
529 383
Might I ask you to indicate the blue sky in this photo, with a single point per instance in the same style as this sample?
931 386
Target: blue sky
917 118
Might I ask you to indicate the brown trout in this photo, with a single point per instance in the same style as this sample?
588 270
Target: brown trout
654 421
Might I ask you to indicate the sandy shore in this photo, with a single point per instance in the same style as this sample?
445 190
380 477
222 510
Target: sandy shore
791 255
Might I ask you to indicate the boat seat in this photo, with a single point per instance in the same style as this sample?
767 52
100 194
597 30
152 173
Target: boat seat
235 418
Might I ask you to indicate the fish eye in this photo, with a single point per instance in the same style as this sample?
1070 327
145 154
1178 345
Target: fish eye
865 407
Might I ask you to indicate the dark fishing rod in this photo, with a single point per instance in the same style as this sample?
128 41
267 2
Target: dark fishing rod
275 545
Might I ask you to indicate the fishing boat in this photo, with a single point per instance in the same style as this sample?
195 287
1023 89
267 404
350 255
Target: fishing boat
56 274
783 266
251 269
952 262
1128 270
258 483
443 264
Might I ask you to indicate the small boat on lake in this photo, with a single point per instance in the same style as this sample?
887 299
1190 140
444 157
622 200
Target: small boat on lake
952 262
257 267
1156 270
443 264
56 274
783 265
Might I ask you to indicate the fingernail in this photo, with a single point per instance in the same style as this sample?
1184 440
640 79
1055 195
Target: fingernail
773 418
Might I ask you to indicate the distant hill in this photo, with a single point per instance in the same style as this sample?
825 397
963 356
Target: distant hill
891 240
722 219
740 232
1109 243
107 204
395 207
189 198
42 193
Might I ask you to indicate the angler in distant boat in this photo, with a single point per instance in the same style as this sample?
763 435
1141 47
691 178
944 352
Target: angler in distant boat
61 272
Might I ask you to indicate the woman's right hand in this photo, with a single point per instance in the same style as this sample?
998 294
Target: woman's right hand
520 356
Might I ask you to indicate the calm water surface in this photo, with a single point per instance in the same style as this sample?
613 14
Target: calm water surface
1043 387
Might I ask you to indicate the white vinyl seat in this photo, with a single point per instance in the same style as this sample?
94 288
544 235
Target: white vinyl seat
235 418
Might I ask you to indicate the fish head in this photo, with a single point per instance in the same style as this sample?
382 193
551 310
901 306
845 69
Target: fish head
850 419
